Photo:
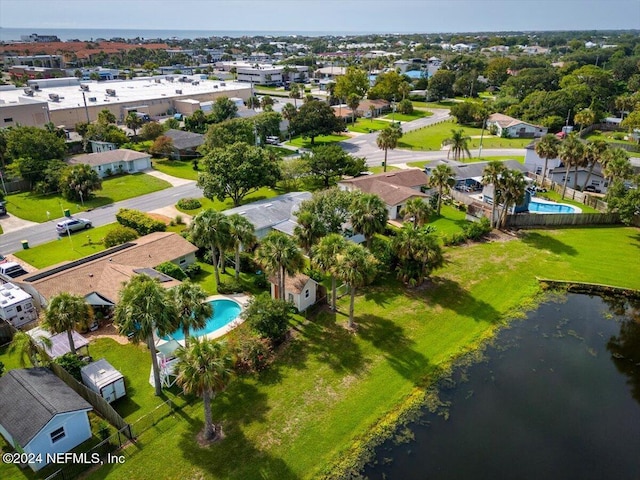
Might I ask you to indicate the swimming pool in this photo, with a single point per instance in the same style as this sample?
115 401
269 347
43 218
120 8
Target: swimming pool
542 206
224 312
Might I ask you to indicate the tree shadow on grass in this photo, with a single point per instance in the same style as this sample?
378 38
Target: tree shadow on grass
384 289
547 242
390 339
636 238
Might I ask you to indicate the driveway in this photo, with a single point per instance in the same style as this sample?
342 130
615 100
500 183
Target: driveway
11 223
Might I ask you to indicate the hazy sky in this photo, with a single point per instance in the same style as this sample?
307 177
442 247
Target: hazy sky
326 15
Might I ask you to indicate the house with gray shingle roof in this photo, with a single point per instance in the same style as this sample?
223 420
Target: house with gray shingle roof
40 414
111 162
185 144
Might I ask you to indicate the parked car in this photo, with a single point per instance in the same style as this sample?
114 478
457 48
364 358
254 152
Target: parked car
592 189
273 140
12 269
72 225
3 208
3 259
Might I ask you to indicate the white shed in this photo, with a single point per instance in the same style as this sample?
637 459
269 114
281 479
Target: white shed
101 377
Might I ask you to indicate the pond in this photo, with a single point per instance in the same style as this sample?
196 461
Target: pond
555 397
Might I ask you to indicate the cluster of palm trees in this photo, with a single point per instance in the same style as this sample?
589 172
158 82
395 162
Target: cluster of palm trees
576 154
508 189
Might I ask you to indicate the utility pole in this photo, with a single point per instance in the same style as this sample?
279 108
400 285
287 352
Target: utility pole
86 109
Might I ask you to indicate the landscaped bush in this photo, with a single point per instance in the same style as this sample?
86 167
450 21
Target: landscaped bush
189 203
269 317
405 107
618 136
139 221
247 263
260 281
382 251
230 286
314 274
252 353
192 270
72 364
119 235
477 230
171 269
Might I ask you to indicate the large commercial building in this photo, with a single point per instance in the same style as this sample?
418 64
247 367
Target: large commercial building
67 101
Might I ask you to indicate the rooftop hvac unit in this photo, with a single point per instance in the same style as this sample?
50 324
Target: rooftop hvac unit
215 86
179 92
169 79
222 84
54 97
111 92
36 87
195 83
93 99
28 92
157 80
84 88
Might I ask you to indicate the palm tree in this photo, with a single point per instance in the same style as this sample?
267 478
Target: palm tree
356 267
571 153
459 144
353 102
419 252
593 152
388 140
547 148
193 309
416 210
279 256
211 229
288 112
584 118
133 121
144 308
307 231
512 187
204 369
242 234
64 312
29 348
324 258
616 165
441 178
491 176
369 215
294 92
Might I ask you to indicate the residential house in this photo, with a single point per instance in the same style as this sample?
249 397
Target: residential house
111 162
394 188
99 277
514 128
185 144
41 415
300 289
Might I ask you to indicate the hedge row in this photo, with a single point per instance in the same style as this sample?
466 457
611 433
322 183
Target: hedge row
139 221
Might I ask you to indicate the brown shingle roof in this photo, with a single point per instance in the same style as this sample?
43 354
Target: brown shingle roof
293 284
110 156
411 177
106 275
393 194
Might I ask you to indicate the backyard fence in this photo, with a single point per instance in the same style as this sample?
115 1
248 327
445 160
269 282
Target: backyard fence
99 404
524 220
152 418
583 197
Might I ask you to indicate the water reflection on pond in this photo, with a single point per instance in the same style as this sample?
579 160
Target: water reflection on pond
557 398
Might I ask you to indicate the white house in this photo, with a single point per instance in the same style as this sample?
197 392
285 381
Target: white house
300 290
16 305
513 127
40 414
111 162
535 164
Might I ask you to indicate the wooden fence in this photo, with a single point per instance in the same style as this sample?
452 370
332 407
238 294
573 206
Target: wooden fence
99 403
525 220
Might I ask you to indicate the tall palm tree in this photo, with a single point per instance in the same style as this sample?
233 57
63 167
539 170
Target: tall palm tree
584 118
419 252
307 231
29 348
369 215
243 235
512 187
145 307
547 148
355 266
193 309
616 165
325 254
491 176
288 112
571 153
279 255
441 178
353 102
593 152
294 92
66 311
204 368
388 140
416 210
210 229
459 144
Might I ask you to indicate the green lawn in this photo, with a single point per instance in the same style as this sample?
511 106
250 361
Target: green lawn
35 207
332 391
228 203
321 140
366 125
422 163
431 138
176 168
450 221
607 137
390 168
401 117
280 151
443 104
72 247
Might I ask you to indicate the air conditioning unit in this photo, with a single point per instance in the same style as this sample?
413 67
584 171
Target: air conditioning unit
84 88
179 92
36 87
28 92
93 99
195 83
111 92
222 84
157 80
54 97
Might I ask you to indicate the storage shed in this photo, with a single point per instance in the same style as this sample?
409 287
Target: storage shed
104 379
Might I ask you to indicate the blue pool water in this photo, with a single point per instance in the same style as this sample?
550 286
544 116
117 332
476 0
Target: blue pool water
540 207
224 312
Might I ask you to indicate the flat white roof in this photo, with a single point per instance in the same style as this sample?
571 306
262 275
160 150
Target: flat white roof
101 373
10 294
127 91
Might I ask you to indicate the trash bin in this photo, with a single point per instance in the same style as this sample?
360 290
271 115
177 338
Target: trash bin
25 244
67 212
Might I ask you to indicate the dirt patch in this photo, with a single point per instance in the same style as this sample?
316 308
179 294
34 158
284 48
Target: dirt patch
501 236
161 218
107 331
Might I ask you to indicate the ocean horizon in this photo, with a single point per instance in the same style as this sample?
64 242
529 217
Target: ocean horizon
90 34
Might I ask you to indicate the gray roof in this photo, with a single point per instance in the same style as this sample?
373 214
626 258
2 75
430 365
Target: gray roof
473 170
59 341
30 398
110 156
184 140
271 211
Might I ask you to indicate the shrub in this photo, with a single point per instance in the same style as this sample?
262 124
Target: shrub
179 220
119 235
253 353
171 269
381 249
247 262
269 317
189 203
230 286
618 136
477 230
1 369
139 221
314 274
72 364
192 270
405 106
260 281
